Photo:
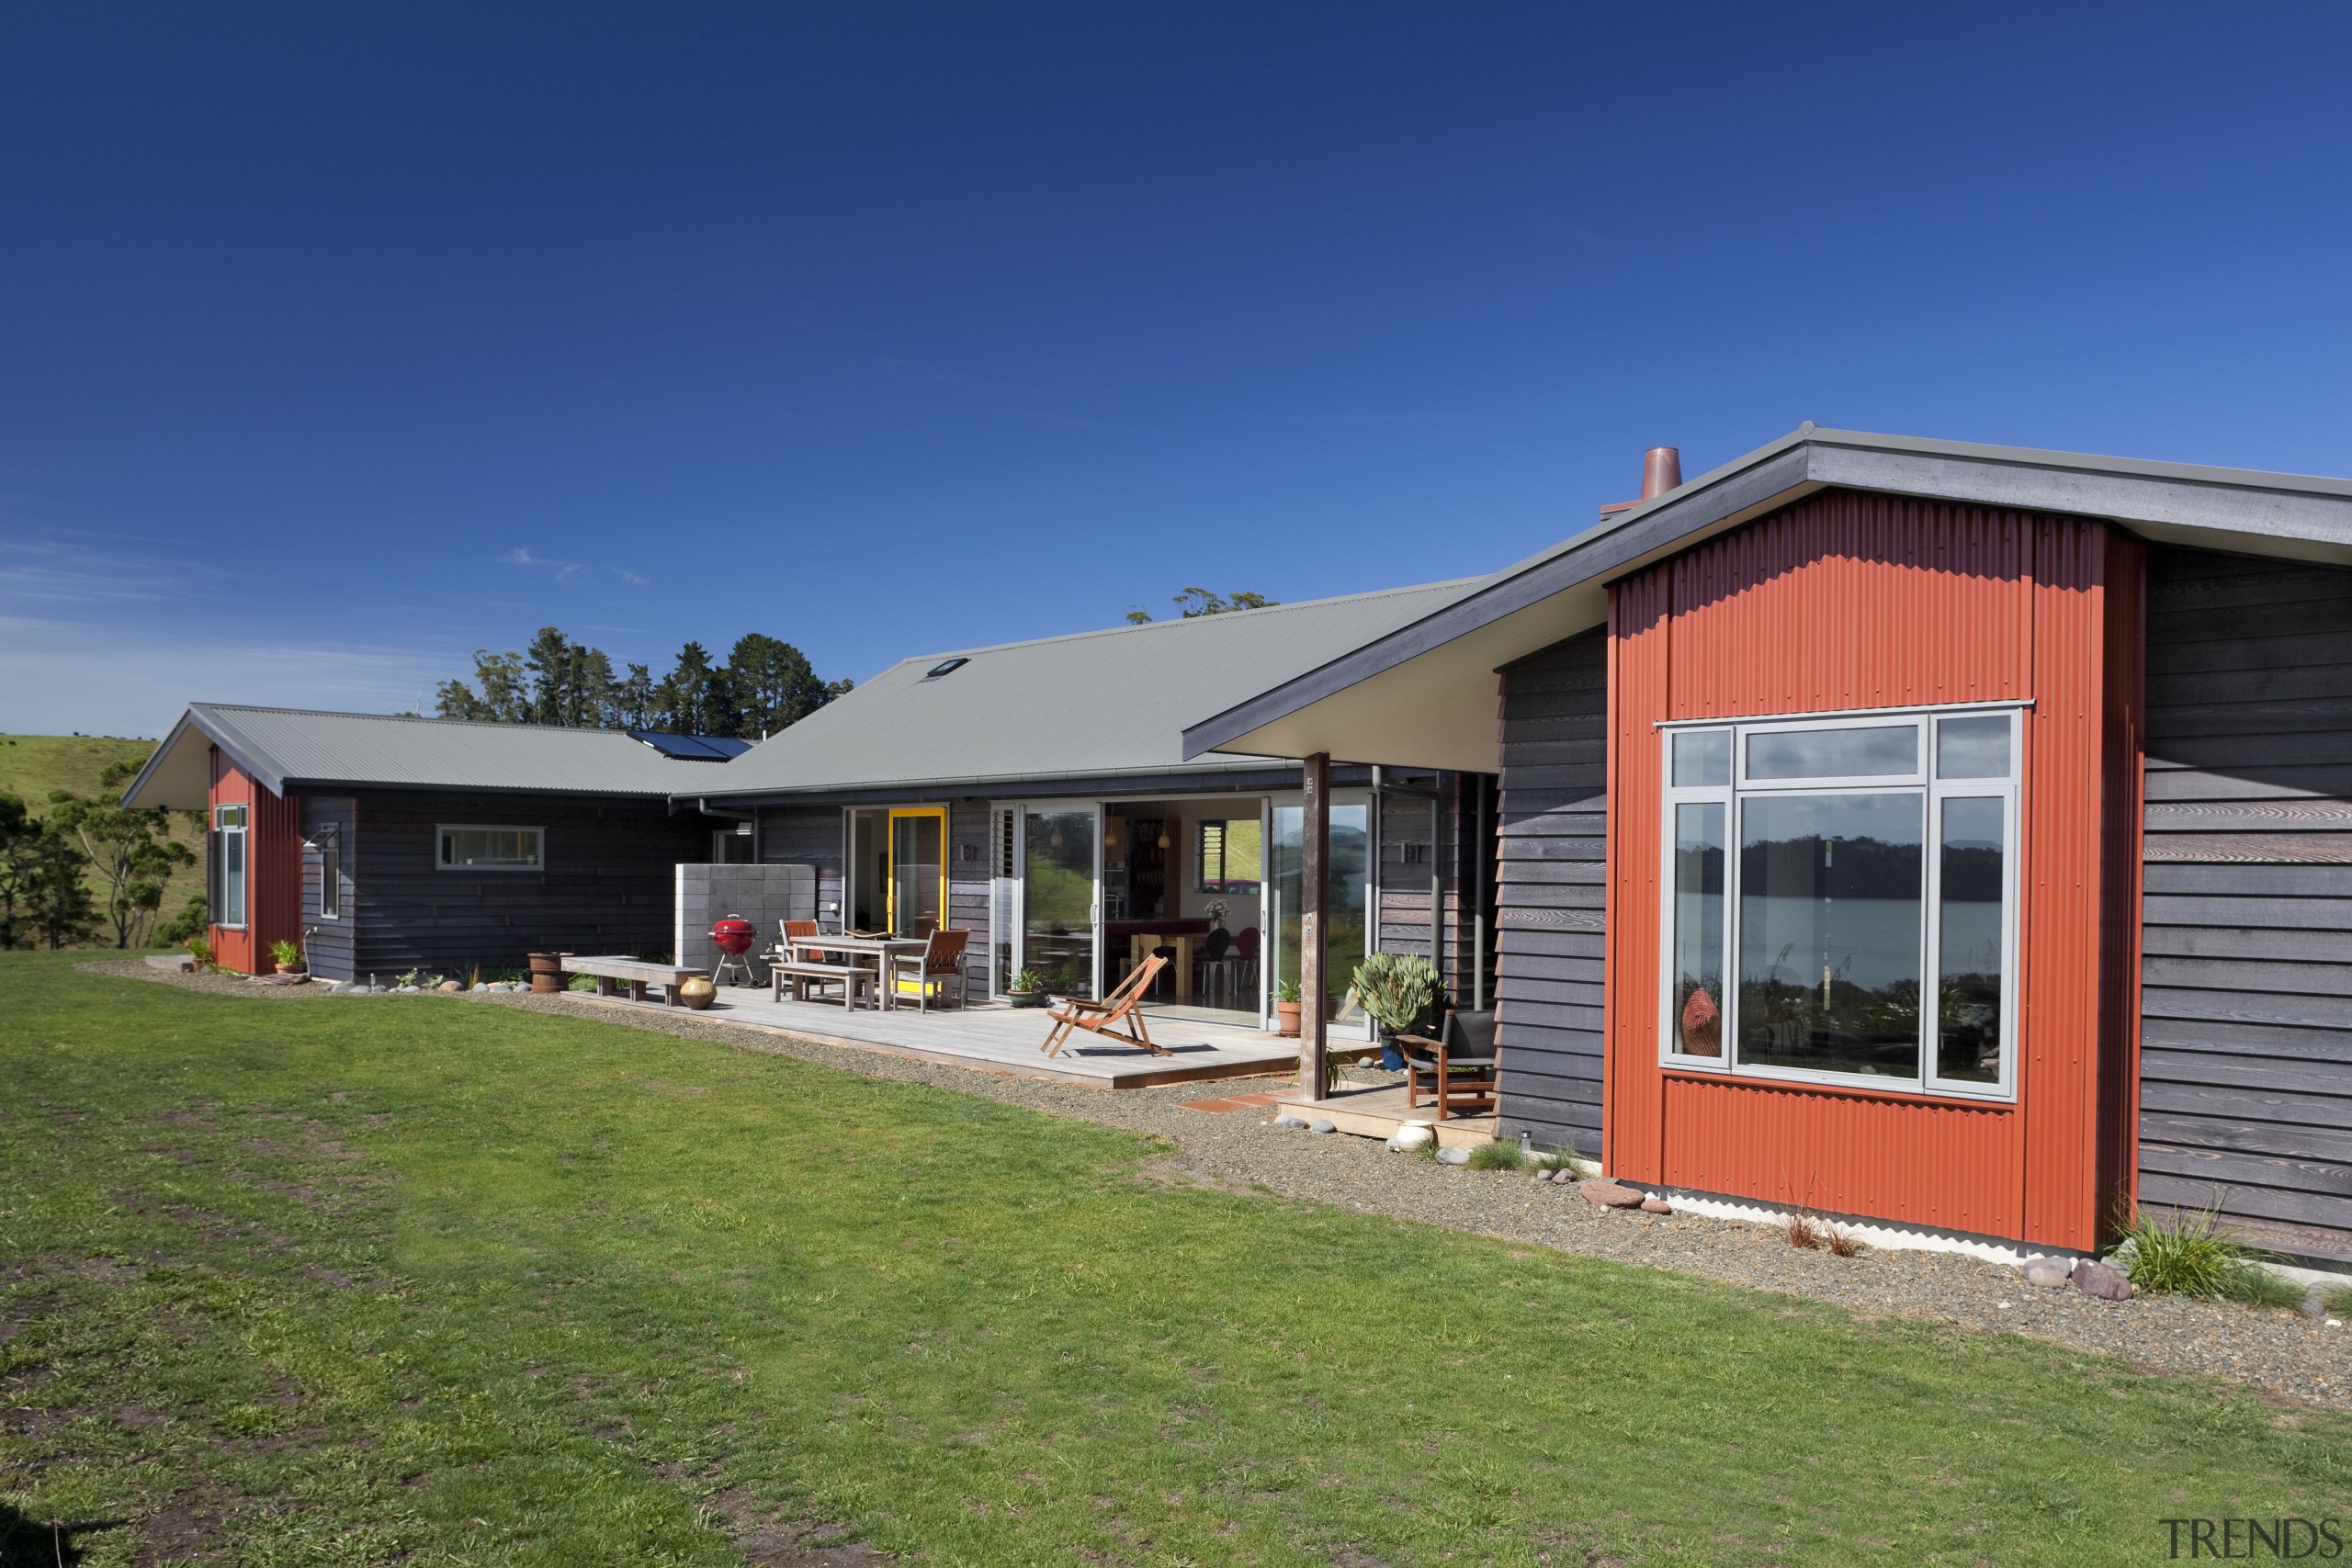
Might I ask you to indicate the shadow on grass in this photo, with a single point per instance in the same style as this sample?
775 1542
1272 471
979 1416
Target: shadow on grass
26 1543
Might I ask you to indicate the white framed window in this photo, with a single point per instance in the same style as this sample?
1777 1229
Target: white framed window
478 848
330 842
1230 854
1841 899
229 866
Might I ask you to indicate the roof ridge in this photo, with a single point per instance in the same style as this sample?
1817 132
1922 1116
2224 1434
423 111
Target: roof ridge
411 719
1223 616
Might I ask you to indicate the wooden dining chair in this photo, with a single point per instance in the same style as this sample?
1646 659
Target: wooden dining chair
1104 1017
940 961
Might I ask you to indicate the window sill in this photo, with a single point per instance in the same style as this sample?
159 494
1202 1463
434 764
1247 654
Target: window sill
1908 1096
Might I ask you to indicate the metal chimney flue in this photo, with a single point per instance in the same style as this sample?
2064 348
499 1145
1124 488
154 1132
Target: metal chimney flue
1661 470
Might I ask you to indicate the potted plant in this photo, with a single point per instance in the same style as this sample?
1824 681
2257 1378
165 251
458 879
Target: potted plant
1287 1009
1028 990
1398 989
287 957
1219 939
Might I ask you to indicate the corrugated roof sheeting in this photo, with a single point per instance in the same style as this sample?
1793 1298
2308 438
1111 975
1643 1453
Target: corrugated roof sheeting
427 753
1106 702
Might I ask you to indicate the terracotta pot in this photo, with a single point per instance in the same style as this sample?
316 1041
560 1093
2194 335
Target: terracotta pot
547 972
1286 1019
697 991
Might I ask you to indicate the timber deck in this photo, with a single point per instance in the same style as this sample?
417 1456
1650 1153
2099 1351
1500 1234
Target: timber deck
998 1039
1379 1112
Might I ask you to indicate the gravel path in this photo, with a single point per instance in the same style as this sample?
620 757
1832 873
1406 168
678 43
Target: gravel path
2287 1355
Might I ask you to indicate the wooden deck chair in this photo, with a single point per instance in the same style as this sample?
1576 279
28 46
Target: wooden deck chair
1104 1017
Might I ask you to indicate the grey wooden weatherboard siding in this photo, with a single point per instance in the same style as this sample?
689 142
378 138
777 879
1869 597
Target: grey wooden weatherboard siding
332 944
608 885
1434 839
2246 1061
1549 916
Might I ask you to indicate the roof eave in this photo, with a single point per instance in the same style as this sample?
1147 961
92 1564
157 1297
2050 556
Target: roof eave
2222 508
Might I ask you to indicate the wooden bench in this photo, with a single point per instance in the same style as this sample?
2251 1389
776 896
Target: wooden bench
802 971
635 973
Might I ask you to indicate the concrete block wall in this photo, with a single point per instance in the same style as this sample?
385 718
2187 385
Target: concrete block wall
763 894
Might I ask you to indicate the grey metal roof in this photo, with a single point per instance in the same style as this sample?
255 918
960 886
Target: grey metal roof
1089 704
1558 591
292 748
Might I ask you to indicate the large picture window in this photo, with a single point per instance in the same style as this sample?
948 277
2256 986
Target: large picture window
491 849
1841 899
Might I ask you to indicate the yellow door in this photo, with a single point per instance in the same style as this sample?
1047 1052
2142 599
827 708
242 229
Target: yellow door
918 871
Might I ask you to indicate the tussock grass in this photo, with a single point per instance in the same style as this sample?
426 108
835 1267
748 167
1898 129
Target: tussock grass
1498 1156
2185 1252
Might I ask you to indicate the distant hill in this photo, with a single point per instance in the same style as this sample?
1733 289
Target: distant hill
32 765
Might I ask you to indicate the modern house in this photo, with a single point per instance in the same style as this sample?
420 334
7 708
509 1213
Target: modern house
1948 835
387 844
1038 793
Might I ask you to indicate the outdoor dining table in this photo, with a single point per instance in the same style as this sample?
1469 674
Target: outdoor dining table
858 949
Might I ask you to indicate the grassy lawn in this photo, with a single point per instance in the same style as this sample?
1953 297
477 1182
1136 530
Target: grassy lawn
316 1281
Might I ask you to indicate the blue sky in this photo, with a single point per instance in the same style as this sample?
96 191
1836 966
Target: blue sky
336 342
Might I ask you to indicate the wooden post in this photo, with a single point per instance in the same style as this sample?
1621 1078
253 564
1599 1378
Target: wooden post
1315 857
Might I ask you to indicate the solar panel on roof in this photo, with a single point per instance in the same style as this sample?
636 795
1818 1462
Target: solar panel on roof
691 748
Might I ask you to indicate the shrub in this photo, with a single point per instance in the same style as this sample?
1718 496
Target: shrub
1841 1241
201 951
2185 1253
1803 1230
189 924
582 983
2337 1301
1498 1156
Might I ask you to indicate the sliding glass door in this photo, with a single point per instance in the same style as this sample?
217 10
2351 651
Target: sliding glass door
1044 899
1347 902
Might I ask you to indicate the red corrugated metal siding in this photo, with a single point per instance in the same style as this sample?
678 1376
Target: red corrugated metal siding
273 869
1632 1098
1855 601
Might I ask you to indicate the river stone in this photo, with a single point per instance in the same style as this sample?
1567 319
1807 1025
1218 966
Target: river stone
1413 1135
2048 1272
1604 1194
2102 1281
1324 1124
1453 1156
1657 1206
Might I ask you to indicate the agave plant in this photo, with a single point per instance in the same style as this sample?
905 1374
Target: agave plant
1396 989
